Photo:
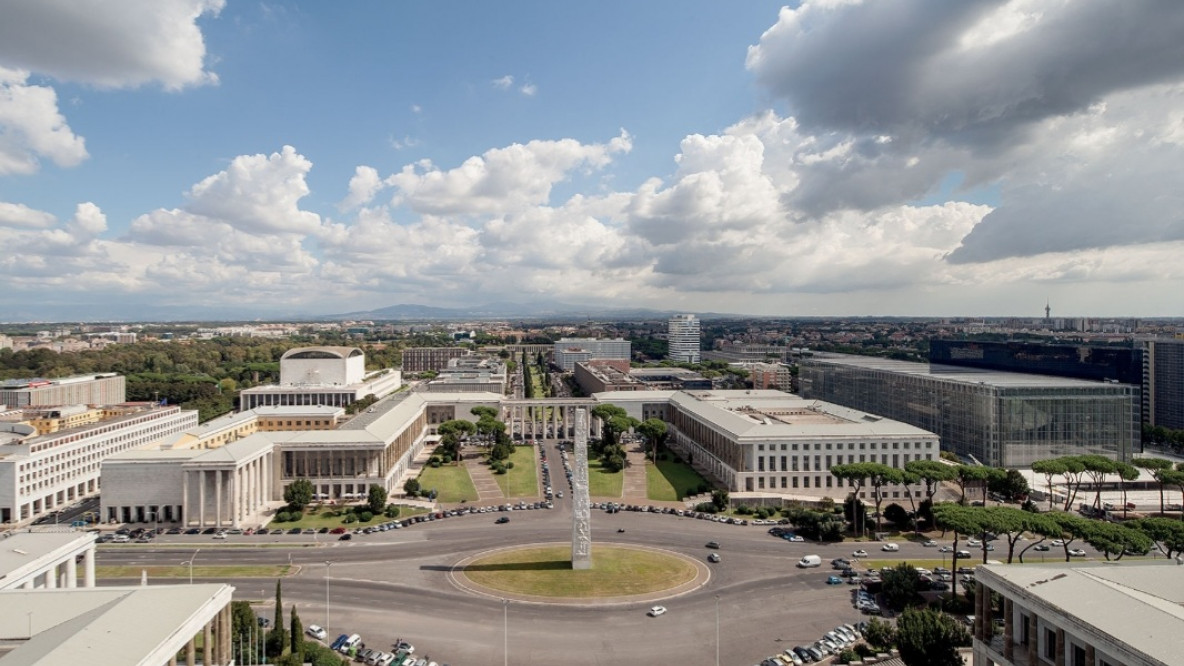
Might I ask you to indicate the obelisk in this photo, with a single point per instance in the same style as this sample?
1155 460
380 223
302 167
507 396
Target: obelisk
581 525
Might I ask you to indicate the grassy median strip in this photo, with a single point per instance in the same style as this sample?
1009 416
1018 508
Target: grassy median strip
671 481
181 571
546 571
522 479
602 483
451 482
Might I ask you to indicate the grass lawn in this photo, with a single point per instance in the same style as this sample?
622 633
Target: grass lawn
522 480
322 519
181 571
602 483
452 483
546 571
671 481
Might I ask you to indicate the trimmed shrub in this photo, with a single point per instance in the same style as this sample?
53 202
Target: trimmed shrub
351 518
365 516
392 511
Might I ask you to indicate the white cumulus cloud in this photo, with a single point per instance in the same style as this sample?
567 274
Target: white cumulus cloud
109 45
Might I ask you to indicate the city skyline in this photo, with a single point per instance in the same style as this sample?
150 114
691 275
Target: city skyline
906 158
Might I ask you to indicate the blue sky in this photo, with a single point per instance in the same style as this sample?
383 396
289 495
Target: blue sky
904 157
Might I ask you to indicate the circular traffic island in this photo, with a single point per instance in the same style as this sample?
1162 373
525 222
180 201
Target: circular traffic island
543 573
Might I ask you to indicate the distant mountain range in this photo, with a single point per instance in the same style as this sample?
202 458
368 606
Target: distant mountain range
132 312
502 310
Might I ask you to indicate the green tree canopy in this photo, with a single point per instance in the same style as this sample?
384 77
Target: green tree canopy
298 494
901 586
1167 533
376 498
930 638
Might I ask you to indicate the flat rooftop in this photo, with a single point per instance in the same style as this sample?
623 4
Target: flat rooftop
958 374
1139 604
22 548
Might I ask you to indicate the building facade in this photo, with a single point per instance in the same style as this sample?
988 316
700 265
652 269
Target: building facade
777 444
430 359
41 473
104 389
996 418
569 351
1163 383
682 335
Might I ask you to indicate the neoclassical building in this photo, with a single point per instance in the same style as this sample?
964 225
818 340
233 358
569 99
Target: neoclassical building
231 473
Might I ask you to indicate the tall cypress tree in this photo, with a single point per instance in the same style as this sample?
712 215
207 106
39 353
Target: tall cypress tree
278 624
297 637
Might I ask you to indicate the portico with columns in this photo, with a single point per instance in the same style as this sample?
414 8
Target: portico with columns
546 418
230 486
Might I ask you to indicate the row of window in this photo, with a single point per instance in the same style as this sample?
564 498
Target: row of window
791 463
850 446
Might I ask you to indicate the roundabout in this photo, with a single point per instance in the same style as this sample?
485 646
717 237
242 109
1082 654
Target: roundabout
542 573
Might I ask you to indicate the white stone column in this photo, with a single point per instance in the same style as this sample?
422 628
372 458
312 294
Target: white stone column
184 497
88 568
72 572
217 498
201 497
51 578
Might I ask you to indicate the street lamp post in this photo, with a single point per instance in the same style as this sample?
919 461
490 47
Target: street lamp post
327 565
717 630
506 631
190 563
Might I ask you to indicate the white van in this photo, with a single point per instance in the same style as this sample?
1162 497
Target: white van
809 561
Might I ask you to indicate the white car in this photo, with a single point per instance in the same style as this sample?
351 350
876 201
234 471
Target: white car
657 610
890 547
859 553
316 632
946 549
1076 552
973 543
930 544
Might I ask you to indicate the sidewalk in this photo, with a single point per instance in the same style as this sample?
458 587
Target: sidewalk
634 482
483 481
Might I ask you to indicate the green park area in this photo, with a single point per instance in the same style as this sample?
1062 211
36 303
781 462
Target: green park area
546 572
603 483
451 482
521 480
670 481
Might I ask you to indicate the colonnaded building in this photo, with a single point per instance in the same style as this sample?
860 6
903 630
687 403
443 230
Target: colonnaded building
334 376
231 472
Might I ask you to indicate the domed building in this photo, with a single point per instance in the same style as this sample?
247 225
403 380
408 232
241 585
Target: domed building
328 376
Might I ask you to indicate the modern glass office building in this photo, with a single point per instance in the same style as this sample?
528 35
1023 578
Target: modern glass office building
1001 419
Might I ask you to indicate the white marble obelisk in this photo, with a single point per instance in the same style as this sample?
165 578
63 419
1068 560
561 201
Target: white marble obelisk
581 526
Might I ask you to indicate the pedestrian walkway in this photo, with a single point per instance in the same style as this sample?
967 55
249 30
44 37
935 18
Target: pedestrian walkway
482 476
634 481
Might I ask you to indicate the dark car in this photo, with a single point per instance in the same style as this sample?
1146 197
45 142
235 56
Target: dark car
713 544
294 530
193 530
503 519
345 537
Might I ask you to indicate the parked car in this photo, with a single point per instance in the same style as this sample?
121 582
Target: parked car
834 580
713 544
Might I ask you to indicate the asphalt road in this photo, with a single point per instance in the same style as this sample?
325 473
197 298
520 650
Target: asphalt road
394 585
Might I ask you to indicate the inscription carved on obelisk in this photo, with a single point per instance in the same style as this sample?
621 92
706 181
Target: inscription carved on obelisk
581 526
